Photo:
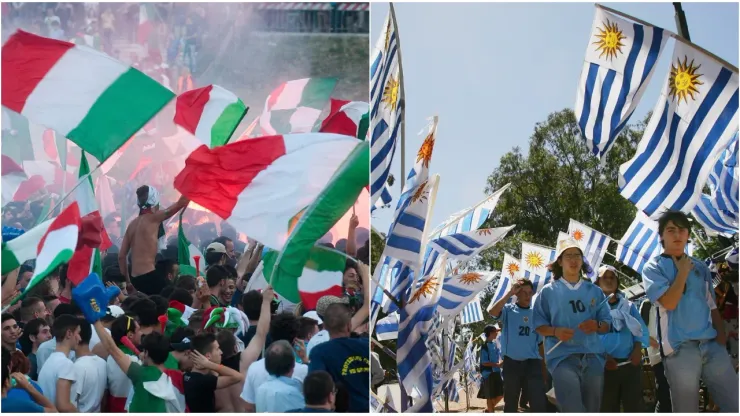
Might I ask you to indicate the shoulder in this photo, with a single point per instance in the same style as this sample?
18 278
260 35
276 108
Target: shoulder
655 264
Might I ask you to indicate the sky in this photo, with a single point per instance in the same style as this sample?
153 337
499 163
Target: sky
491 71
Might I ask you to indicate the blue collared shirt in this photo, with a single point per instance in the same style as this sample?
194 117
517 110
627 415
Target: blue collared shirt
279 394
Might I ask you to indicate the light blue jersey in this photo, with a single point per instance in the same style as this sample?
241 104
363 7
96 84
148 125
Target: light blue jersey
619 344
489 353
560 304
519 340
691 320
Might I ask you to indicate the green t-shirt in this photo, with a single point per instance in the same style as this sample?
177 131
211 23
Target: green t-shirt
143 401
171 363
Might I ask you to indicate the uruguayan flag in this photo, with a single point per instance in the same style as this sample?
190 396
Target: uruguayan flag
471 218
724 179
592 242
620 59
464 246
640 243
386 107
535 259
510 271
387 328
419 173
471 313
692 124
458 290
715 221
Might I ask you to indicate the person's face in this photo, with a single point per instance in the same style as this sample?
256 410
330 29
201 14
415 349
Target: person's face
24 279
215 355
492 335
524 297
11 332
41 311
135 335
571 261
74 337
674 237
230 249
43 335
350 278
608 283
227 290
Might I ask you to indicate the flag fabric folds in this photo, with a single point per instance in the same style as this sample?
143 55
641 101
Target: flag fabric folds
511 270
211 114
534 262
350 118
714 220
86 96
471 313
458 290
57 246
640 243
692 124
593 243
295 106
620 59
724 179
12 178
387 328
186 251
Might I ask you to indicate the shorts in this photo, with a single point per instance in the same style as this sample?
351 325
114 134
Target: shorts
150 283
491 387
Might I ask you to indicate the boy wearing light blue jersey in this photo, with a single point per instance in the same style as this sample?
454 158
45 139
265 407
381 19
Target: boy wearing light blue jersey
623 345
520 348
571 312
691 333
491 388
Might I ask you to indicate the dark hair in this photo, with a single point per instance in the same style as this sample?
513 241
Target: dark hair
284 326
227 343
678 218
279 359
182 296
317 386
223 239
146 310
524 282
62 324
113 273
182 333
350 264
157 346
307 326
557 269
24 268
252 304
228 231
67 309
161 302
488 329
85 332
165 266
336 317
6 317
233 274
27 305
166 291
31 327
203 343
19 363
213 257
118 328
130 300
216 274
187 282
142 194
50 298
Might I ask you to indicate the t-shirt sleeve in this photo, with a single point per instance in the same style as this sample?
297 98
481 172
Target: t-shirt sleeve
656 284
67 370
503 314
134 372
540 310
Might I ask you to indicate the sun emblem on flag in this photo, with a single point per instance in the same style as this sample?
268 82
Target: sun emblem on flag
427 288
534 260
578 235
420 192
387 36
512 268
425 151
610 40
485 231
684 80
390 93
470 278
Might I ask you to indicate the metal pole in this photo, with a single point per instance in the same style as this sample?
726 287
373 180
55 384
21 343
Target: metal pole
681 25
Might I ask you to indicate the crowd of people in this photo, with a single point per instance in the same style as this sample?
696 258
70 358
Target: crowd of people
173 342
596 342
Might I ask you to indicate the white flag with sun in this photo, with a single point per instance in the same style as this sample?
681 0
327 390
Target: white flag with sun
535 259
509 274
620 59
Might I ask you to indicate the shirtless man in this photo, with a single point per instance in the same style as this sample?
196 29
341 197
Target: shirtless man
141 240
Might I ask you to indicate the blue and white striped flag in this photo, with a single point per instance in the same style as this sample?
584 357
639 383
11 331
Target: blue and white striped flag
386 107
419 173
620 59
459 290
724 179
714 220
471 218
463 246
510 272
387 328
535 259
470 364
471 313
692 124
640 243
592 242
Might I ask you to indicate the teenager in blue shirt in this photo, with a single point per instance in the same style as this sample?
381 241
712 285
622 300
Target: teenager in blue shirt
623 345
492 387
691 334
570 309
522 367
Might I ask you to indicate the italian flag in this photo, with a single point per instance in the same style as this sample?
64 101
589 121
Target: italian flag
186 251
12 178
16 137
321 275
58 244
21 249
85 95
146 22
259 185
210 113
295 106
347 117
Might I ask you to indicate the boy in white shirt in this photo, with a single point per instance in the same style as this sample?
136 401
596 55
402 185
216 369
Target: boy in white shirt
58 371
90 375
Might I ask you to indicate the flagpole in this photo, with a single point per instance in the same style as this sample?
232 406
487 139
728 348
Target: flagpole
79 182
679 38
403 98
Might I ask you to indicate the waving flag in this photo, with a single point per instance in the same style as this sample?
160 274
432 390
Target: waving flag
295 106
593 243
211 114
510 272
714 220
724 179
13 177
387 328
692 124
458 290
471 313
386 107
186 251
640 243
350 118
620 59
58 245
535 259
471 218
464 246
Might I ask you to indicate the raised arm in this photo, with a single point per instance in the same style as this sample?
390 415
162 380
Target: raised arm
11 281
359 317
252 352
226 376
123 254
495 311
119 357
165 214
351 248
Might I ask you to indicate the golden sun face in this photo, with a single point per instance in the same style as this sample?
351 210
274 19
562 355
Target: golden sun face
610 40
425 151
485 231
534 260
420 192
470 278
512 268
427 288
578 235
684 80
390 93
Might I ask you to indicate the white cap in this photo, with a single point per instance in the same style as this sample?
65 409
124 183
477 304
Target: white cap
566 244
607 268
114 311
313 315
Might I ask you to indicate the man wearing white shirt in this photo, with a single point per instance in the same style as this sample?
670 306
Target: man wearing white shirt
58 369
47 348
91 375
